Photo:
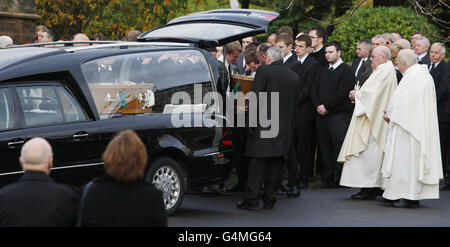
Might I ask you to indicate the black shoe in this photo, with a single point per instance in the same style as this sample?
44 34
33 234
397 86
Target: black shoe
268 204
235 188
404 203
363 194
284 188
383 201
445 187
246 205
293 191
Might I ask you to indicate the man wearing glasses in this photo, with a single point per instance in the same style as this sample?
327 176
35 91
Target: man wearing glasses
318 37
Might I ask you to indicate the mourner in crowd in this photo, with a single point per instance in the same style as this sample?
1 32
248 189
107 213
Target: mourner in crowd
439 71
334 108
421 48
318 38
363 148
361 66
36 200
122 197
412 165
305 128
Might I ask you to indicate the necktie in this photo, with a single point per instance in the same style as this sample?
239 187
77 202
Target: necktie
432 66
331 69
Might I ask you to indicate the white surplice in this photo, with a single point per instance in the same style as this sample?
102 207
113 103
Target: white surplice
412 163
363 148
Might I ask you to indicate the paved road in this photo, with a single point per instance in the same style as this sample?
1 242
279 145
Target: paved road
314 208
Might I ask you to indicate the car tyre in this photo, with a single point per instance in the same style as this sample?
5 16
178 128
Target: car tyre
166 174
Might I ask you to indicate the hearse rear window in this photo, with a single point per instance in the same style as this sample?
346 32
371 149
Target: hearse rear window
143 83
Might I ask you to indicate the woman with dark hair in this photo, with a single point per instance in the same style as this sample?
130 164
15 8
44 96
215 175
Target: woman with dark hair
122 197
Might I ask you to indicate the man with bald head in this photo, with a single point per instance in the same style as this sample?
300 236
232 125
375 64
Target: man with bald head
36 200
412 163
364 144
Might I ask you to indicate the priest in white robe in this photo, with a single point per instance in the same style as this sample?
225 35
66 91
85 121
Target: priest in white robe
363 148
412 163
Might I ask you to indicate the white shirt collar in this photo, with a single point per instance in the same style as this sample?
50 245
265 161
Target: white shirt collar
302 60
339 62
419 57
287 57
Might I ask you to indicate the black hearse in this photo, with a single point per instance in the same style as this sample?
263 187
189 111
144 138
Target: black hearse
79 97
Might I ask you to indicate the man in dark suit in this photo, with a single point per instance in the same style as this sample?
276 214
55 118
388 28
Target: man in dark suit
330 98
361 66
290 183
305 129
268 147
36 200
421 50
318 38
439 71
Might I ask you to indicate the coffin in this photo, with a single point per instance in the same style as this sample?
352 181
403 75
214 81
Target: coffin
120 98
243 84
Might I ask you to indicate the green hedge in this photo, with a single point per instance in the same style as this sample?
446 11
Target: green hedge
368 22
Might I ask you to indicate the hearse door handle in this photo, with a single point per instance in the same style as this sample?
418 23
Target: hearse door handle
80 135
15 143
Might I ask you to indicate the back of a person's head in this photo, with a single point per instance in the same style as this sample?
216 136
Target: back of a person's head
36 154
285 29
275 53
262 48
132 35
80 37
125 157
98 36
408 57
5 41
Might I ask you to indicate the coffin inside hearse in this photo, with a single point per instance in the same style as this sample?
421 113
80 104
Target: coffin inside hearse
130 98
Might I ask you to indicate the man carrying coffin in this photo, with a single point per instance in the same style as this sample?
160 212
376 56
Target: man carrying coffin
412 163
363 148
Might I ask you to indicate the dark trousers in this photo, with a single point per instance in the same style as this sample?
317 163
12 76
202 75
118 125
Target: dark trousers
444 135
331 130
240 161
305 145
265 171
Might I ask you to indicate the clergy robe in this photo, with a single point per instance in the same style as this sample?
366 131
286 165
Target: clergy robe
412 163
362 150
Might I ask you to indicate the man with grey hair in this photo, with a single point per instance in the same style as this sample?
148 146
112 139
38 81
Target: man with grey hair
378 40
277 88
412 165
439 71
363 148
421 48
5 41
36 200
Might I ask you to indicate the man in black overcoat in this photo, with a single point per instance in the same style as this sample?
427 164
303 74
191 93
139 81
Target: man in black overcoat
36 200
268 147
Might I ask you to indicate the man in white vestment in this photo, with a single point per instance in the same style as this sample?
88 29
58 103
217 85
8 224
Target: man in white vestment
363 148
412 163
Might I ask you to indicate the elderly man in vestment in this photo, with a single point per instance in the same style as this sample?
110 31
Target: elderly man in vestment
412 163
363 148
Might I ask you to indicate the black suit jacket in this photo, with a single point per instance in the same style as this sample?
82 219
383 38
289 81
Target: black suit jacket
306 111
331 89
425 60
274 77
36 200
363 72
441 83
108 203
240 64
